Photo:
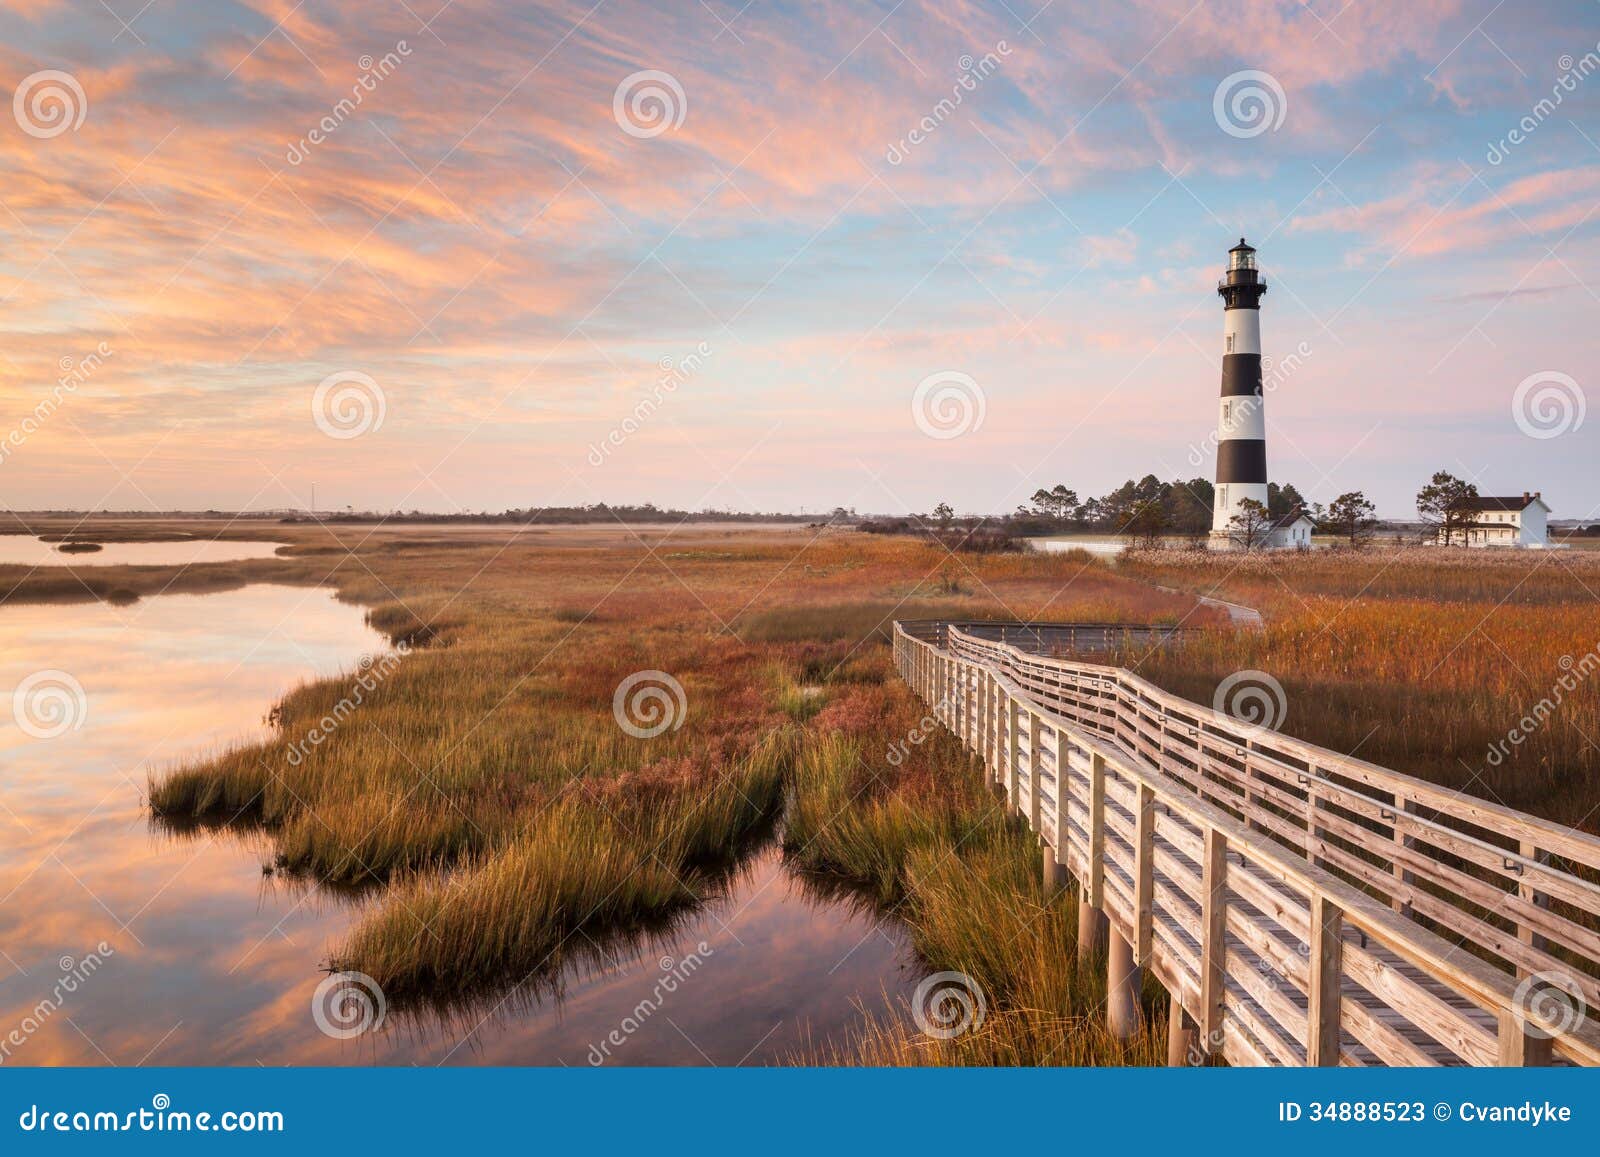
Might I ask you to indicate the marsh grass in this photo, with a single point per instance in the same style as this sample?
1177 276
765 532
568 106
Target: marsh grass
582 867
929 843
1423 660
496 815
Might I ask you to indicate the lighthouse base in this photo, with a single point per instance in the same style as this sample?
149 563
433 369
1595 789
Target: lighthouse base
1294 535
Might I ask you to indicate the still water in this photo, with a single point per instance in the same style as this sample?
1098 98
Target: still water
25 550
124 944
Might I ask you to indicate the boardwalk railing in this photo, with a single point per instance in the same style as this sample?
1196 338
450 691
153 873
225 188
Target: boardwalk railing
1300 906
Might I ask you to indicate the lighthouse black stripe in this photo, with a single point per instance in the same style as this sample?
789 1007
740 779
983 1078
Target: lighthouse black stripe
1242 460
1241 375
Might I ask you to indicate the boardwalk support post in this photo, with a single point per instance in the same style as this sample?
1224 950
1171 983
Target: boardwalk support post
1093 926
1213 945
1133 808
1183 1039
1122 988
1144 875
1055 876
1325 1000
1519 1043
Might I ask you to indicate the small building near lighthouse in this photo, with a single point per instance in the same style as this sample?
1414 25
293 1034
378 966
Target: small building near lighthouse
1292 532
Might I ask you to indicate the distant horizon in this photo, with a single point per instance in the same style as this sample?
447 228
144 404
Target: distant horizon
884 255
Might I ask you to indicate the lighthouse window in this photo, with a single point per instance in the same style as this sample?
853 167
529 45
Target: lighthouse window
1230 343
1227 413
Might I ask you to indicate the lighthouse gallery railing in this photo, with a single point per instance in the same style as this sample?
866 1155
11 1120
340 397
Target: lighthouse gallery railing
1304 907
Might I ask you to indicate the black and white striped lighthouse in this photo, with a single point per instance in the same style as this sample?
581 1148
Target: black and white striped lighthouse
1241 419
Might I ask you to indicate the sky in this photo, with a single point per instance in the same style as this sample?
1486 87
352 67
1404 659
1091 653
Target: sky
476 254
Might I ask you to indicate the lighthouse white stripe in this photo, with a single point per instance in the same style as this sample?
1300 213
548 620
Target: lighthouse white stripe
1241 331
1243 417
1229 497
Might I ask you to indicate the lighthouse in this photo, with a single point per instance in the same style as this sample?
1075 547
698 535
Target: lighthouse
1241 417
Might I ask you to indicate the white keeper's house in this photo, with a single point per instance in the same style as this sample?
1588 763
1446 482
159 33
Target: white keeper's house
1510 521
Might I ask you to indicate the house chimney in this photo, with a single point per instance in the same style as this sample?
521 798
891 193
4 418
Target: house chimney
1524 498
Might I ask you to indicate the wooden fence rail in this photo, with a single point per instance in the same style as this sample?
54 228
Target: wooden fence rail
1300 906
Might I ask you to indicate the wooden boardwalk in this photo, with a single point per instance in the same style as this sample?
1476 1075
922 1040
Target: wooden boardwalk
1300 906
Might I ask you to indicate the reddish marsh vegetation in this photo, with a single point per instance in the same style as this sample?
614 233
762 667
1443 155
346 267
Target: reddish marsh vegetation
486 795
1474 669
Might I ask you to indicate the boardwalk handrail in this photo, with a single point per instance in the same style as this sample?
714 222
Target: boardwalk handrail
1360 923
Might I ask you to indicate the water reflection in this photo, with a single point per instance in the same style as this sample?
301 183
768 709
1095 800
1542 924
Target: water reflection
24 550
207 960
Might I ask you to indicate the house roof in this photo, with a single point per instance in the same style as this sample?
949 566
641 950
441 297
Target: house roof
1290 519
1507 502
